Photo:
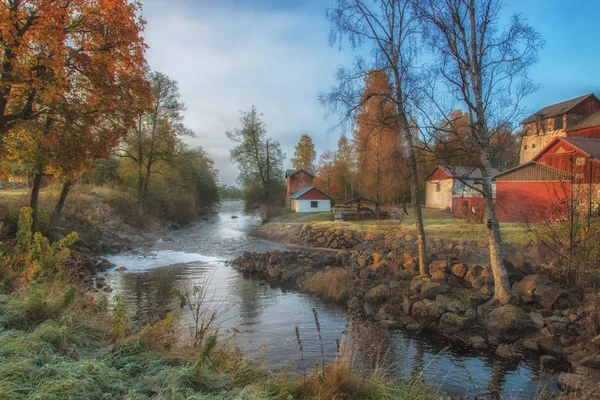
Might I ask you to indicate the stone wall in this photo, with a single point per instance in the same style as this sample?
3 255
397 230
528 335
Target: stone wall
472 252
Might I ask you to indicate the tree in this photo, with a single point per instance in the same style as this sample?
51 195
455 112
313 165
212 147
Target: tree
153 139
71 78
305 154
260 161
485 70
344 169
324 178
389 29
50 46
198 173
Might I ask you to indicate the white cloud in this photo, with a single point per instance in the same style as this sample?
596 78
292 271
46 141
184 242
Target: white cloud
227 59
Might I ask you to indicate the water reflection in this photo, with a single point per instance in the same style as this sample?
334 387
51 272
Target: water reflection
264 316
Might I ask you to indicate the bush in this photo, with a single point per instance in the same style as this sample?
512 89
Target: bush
160 335
335 284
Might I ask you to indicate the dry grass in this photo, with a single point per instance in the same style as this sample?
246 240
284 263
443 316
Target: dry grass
335 284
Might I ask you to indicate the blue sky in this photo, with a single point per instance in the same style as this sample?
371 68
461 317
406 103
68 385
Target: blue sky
229 55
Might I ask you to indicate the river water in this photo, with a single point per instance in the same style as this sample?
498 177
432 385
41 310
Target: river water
262 317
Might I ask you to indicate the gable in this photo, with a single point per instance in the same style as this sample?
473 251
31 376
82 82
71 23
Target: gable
438 174
311 194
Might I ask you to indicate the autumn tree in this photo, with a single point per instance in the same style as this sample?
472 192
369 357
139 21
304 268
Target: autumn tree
305 154
154 137
72 76
51 46
484 68
344 169
324 176
388 29
260 162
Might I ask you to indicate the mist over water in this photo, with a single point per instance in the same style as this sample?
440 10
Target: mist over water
262 317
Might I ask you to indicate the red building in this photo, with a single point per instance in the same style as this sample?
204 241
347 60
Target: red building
298 179
539 189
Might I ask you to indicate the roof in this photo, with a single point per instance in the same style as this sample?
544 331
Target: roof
361 198
557 109
302 192
292 172
589 146
534 171
588 121
458 172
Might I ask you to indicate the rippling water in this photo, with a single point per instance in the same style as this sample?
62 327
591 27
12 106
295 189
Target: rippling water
263 317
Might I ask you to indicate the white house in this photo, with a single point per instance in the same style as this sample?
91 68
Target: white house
310 199
445 184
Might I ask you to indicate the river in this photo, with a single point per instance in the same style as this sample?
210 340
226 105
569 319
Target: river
263 317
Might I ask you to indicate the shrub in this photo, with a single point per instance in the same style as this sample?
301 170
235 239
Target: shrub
160 335
335 284
119 320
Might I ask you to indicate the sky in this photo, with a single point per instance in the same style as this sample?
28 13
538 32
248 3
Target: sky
228 55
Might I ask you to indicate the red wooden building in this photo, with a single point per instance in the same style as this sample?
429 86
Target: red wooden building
298 179
536 190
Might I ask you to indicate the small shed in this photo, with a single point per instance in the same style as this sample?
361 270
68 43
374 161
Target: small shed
451 188
310 199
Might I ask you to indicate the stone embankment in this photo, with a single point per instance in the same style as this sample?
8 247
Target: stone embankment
468 251
453 301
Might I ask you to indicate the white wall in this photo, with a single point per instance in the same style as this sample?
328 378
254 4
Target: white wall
441 199
304 205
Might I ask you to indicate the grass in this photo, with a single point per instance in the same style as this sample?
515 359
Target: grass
335 284
54 346
439 224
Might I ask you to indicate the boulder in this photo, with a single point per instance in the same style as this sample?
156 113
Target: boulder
460 270
550 345
418 282
570 382
477 342
473 273
427 310
549 295
439 276
507 351
509 323
430 290
539 288
274 272
538 320
591 361
437 266
378 295
530 344
451 323
364 273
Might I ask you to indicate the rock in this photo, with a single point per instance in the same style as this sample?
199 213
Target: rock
427 310
355 304
451 323
592 361
537 319
390 324
234 217
539 288
548 296
487 271
274 272
473 273
408 304
274 259
507 351
471 314
418 282
550 345
596 341
430 290
514 274
378 295
530 344
364 273
460 270
509 323
437 266
488 288
477 342
545 360
121 269
439 276
570 382
557 325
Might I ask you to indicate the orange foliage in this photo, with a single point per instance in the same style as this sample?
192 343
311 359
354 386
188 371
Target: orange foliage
378 142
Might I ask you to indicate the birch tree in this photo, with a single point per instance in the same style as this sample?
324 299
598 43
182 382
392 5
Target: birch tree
482 67
388 28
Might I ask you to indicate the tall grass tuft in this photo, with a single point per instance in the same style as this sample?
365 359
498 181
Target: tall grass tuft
318 325
301 352
335 284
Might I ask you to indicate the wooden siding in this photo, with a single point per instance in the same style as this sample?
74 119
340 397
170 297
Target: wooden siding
589 133
534 172
438 174
564 156
587 106
529 201
314 194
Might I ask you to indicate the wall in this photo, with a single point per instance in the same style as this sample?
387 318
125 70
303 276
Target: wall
304 205
528 201
532 145
441 199
297 182
474 252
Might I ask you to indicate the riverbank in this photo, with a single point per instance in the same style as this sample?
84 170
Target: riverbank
551 324
58 341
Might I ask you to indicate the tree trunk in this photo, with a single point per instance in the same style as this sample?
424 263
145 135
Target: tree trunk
416 200
59 207
502 293
34 202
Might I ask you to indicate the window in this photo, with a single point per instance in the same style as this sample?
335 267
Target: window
558 122
533 146
314 204
438 187
580 161
525 147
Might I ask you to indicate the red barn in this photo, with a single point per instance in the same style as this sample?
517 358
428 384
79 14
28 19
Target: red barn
536 191
298 179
